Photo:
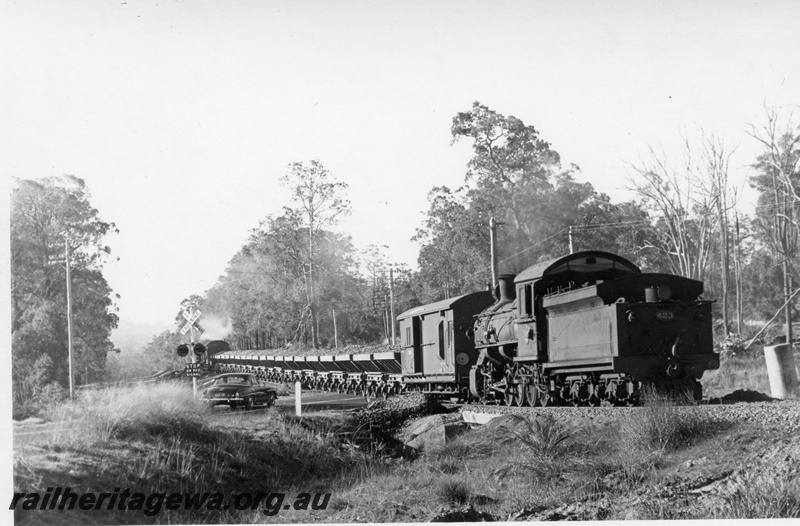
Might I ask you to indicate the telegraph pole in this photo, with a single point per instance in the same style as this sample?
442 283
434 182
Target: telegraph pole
391 301
335 331
738 276
787 286
69 320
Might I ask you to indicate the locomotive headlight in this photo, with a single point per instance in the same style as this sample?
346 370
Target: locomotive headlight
664 293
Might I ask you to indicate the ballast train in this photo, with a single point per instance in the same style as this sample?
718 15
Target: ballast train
585 328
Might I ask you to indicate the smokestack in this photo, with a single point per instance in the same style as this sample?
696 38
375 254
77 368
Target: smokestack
505 288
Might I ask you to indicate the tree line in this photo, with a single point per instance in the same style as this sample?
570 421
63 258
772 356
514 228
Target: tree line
50 218
299 281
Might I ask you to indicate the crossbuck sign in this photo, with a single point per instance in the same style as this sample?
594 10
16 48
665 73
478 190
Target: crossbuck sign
191 317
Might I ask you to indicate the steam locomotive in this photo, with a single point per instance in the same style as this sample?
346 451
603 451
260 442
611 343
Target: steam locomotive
584 328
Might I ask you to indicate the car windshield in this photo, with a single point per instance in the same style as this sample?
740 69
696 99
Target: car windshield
243 380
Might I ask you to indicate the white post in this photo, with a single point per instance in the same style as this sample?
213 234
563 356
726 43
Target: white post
297 406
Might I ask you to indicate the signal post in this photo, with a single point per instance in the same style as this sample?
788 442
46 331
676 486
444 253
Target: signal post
192 369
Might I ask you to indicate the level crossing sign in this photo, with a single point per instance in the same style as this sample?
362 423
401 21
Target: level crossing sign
193 370
191 317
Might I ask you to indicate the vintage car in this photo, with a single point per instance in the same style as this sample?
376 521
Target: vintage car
238 390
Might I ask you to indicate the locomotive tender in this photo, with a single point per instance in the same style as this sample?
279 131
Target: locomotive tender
583 328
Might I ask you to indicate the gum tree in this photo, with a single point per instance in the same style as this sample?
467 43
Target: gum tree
319 201
777 180
46 215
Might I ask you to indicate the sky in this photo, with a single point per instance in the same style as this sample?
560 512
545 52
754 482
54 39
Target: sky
182 116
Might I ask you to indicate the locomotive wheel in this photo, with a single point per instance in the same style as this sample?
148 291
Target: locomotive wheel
521 397
544 399
510 395
531 394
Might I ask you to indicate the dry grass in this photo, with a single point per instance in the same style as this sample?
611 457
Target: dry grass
156 439
761 498
546 444
454 491
499 469
664 422
752 498
160 440
163 409
747 371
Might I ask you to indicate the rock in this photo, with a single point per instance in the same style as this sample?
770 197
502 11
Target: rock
431 432
472 417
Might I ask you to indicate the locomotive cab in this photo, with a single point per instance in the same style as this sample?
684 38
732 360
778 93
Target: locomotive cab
578 270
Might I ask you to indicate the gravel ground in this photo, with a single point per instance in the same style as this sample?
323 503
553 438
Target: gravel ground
783 415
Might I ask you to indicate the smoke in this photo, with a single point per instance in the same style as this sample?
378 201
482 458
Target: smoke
214 327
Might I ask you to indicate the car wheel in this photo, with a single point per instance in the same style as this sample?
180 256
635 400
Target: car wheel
249 403
270 399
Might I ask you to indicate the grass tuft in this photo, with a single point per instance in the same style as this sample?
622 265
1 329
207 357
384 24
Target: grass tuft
664 422
548 447
467 445
543 436
454 491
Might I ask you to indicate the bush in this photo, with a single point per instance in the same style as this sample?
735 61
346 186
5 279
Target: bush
543 436
548 444
141 411
732 345
664 422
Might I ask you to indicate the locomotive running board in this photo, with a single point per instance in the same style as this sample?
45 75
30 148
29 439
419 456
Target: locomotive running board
570 366
429 379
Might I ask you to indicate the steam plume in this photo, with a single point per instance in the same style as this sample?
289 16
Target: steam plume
214 327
